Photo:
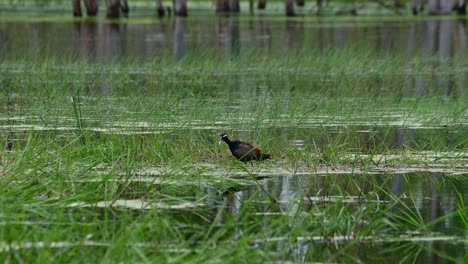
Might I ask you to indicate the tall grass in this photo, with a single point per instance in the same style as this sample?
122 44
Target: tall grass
341 127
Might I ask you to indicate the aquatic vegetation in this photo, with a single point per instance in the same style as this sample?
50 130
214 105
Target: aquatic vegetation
119 161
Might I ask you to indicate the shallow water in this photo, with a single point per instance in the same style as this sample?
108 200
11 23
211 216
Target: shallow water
435 142
432 195
425 192
230 36
438 41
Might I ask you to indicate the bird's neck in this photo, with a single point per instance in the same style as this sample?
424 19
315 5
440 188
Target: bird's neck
225 139
229 142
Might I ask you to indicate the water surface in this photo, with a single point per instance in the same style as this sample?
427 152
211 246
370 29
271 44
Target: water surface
394 138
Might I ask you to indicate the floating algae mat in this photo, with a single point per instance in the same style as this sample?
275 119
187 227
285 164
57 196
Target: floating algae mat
109 152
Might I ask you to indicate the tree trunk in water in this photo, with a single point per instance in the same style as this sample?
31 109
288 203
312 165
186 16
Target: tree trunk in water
439 7
261 4
289 34
222 5
234 35
414 7
179 38
227 6
219 5
445 45
319 6
180 8
90 45
433 6
462 81
91 7
300 2
76 8
159 8
410 47
124 7
113 8
234 6
447 6
289 4
460 7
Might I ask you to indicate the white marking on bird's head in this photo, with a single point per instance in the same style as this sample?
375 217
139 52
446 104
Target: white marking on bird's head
222 137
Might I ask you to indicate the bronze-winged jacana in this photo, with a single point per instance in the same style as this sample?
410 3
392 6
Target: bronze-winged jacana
244 151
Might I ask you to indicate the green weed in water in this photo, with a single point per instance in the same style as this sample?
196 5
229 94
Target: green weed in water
130 169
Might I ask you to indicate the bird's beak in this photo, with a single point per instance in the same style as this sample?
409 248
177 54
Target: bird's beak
220 140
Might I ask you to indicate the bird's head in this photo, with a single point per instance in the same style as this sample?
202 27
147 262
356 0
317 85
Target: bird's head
223 137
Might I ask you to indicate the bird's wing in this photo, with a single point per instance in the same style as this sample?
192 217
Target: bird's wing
246 146
249 147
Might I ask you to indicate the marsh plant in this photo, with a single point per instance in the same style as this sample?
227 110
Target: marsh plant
118 161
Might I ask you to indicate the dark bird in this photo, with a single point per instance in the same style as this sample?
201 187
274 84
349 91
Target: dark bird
244 151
